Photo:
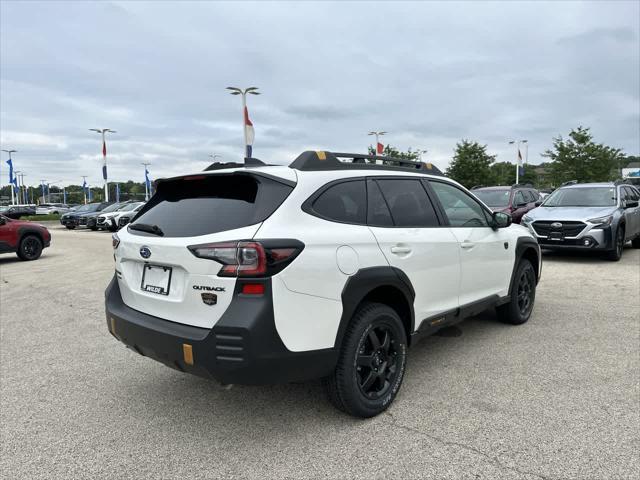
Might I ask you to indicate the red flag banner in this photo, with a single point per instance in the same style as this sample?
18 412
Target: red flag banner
104 149
380 148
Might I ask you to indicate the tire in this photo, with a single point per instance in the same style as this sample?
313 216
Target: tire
523 296
618 242
635 243
371 364
30 248
93 229
70 227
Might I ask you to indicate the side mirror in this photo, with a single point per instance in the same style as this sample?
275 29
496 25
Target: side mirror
631 204
501 220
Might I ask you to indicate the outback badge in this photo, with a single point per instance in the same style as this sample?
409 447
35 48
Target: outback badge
209 298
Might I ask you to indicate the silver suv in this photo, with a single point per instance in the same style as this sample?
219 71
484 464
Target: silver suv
588 216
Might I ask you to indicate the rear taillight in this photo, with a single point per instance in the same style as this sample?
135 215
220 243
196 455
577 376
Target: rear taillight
249 258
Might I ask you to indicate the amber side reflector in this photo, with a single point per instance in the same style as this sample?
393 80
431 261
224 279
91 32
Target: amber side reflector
112 322
187 352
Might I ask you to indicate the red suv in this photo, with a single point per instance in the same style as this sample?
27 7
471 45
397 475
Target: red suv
27 239
515 200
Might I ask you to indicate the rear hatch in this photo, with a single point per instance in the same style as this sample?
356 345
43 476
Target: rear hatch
157 272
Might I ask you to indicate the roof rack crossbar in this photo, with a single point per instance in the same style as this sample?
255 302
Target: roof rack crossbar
323 160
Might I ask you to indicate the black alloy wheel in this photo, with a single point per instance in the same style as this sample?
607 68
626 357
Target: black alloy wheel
615 254
371 362
525 289
523 295
30 248
377 361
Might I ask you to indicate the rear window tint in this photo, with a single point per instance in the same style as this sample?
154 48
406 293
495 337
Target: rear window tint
378 214
211 203
344 202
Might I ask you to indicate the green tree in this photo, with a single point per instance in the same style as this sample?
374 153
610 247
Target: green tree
580 158
390 151
471 164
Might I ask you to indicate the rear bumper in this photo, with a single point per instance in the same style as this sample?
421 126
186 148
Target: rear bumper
243 347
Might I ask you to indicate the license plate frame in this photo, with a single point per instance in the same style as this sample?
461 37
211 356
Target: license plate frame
156 289
556 236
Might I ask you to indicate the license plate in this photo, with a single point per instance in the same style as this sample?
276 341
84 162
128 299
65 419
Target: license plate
156 279
558 236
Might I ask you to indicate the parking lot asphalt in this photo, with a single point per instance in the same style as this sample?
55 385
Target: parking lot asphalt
558 397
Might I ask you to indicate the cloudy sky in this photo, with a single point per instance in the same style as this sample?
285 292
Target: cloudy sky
429 73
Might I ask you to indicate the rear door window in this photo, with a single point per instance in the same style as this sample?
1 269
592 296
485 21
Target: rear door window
344 202
408 201
204 204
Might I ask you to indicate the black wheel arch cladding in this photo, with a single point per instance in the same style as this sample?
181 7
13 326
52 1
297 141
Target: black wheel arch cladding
385 284
529 249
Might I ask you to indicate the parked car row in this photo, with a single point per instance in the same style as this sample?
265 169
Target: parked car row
102 216
590 216
17 211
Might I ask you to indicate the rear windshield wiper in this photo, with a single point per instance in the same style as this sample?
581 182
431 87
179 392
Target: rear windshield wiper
143 227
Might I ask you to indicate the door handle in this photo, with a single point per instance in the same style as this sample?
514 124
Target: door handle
467 245
400 250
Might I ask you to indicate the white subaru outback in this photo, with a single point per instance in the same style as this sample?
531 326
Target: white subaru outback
327 268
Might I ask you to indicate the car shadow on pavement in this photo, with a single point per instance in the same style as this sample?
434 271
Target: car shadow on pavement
248 413
578 256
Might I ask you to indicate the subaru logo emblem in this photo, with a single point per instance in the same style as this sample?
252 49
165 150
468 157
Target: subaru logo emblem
145 252
556 225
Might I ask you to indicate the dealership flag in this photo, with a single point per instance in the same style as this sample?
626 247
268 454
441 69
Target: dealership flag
249 133
146 180
520 166
104 158
10 163
117 192
380 148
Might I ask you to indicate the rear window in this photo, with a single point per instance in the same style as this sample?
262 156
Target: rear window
211 203
344 202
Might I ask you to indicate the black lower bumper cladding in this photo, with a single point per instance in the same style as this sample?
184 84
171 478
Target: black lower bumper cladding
243 347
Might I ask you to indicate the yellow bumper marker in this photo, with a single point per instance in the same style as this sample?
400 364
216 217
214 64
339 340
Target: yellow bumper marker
112 324
322 155
187 352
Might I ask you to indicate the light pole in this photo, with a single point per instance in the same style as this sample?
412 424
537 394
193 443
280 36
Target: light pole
420 152
42 188
23 189
518 157
16 175
49 189
102 132
379 151
84 187
247 126
146 181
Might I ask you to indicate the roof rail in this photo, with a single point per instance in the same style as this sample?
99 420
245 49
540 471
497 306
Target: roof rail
248 162
526 185
570 182
323 160
475 187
